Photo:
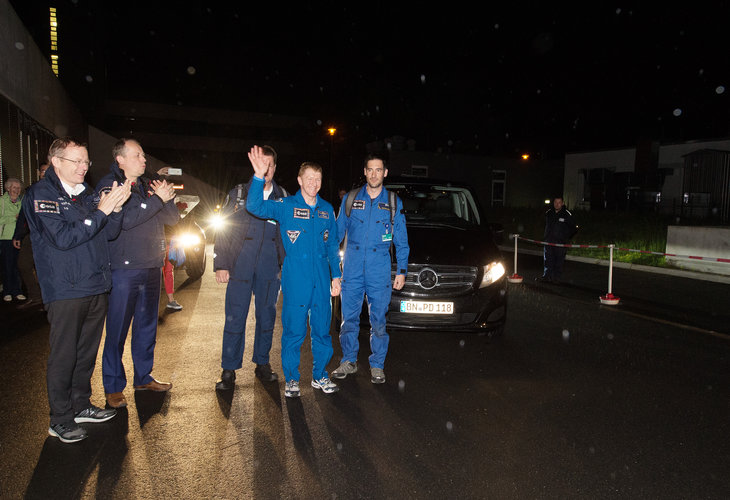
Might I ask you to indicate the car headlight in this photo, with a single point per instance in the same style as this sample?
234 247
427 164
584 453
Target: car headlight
189 239
216 221
492 272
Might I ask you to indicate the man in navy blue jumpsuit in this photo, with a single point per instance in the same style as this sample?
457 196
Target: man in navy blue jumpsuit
311 271
69 226
366 267
248 257
559 228
137 257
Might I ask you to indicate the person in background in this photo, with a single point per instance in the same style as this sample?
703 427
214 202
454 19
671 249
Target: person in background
168 273
22 242
369 233
10 204
248 258
168 269
559 228
311 272
69 227
137 256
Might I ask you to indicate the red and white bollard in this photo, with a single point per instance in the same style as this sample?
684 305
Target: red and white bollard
515 278
609 299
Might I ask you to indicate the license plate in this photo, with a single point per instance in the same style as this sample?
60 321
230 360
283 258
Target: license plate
423 307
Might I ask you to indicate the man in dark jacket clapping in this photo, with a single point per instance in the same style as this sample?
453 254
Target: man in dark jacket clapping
137 257
69 228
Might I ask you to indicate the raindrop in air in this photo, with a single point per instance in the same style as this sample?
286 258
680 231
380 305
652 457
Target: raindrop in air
462 343
89 79
19 45
423 78
449 426
191 70
720 89
677 112
566 335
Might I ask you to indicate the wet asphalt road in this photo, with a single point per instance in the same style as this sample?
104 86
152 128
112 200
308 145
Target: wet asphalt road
578 400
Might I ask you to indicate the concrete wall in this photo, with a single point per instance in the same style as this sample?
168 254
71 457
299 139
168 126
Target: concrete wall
26 79
713 242
619 160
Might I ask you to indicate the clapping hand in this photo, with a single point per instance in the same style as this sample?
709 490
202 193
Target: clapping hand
163 189
112 200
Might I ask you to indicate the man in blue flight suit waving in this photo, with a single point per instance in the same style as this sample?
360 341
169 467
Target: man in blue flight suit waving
370 228
311 271
248 257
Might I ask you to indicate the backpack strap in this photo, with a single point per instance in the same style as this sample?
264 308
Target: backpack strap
350 199
240 195
393 204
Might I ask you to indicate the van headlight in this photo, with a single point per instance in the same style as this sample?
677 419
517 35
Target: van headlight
492 273
216 221
189 239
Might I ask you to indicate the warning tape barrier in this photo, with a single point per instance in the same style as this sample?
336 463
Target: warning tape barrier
649 252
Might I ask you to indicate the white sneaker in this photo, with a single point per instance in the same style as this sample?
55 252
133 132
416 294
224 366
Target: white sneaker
377 376
8 298
345 369
325 384
292 389
21 297
174 305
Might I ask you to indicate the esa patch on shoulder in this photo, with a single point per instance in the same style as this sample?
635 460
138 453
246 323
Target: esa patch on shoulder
46 207
358 204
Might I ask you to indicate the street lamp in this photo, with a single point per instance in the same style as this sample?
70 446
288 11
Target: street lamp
331 131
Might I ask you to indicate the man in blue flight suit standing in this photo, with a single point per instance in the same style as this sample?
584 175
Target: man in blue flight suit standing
311 271
248 257
137 257
370 231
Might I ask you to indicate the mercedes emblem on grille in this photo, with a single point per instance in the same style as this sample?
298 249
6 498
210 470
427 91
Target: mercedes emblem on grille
427 278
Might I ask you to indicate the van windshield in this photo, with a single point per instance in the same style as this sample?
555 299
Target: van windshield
437 204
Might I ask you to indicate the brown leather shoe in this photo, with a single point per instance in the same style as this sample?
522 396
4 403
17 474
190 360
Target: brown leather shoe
154 385
116 400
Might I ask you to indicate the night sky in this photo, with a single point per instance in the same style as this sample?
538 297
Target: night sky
543 77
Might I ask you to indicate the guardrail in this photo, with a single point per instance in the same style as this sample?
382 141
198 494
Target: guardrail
609 298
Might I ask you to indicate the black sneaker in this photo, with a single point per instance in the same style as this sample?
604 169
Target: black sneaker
94 414
227 381
67 433
265 373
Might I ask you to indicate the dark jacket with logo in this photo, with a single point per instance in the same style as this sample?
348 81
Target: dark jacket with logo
69 238
141 243
244 233
559 226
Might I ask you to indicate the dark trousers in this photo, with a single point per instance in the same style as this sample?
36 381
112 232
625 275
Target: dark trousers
238 300
554 258
76 328
26 266
135 294
11 275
